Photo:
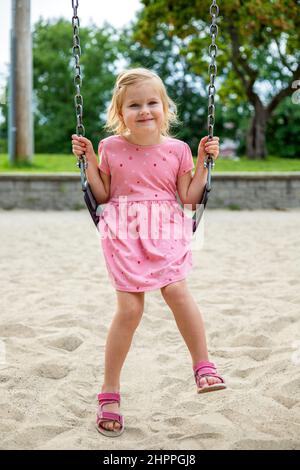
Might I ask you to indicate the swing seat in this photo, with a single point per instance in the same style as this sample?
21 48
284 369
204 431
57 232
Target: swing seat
91 203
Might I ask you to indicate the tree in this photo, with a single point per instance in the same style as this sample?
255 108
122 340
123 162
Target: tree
258 45
54 89
283 130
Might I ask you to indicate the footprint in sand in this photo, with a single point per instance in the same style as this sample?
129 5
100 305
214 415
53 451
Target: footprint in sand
258 354
292 387
258 341
163 358
51 370
169 381
259 444
16 329
294 282
175 421
4 378
244 373
68 343
286 401
33 435
278 324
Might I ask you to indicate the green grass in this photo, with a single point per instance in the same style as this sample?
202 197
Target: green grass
271 163
58 163
42 164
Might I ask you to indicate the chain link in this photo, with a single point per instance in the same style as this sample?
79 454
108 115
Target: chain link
212 70
78 99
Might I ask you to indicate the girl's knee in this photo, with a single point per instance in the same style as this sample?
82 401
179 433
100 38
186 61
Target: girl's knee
175 292
130 306
130 316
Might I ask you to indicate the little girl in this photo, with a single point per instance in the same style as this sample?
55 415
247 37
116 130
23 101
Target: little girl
141 168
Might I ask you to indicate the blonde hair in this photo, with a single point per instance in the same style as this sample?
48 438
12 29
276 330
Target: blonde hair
115 123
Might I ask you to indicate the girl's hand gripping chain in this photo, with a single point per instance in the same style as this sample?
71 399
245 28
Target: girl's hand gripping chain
82 145
210 147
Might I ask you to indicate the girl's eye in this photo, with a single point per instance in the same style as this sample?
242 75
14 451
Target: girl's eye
134 104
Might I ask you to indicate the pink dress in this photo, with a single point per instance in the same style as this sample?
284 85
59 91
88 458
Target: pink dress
145 234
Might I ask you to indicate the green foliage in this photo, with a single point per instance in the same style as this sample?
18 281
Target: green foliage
258 49
283 132
172 38
55 118
3 145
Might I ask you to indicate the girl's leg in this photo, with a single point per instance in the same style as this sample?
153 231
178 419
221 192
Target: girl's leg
129 313
190 323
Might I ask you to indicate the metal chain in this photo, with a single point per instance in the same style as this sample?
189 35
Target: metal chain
78 99
212 70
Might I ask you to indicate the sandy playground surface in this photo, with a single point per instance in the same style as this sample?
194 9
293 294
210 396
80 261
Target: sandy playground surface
56 307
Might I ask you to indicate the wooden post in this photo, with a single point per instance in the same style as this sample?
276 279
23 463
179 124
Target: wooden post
21 117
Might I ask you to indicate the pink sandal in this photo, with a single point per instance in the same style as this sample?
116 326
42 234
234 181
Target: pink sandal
207 369
102 416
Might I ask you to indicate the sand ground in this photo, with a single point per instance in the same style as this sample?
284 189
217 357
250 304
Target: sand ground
56 307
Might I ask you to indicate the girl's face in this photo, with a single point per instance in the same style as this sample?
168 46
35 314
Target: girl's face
142 109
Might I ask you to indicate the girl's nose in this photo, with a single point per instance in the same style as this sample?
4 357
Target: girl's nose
144 110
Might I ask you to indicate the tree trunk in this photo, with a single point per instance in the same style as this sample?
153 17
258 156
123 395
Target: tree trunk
256 136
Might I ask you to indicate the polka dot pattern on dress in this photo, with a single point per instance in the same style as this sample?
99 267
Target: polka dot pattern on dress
148 178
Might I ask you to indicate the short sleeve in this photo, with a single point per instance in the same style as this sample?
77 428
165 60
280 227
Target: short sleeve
103 165
187 162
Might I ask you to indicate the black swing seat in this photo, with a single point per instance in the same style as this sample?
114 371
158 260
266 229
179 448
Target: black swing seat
91 203
96 209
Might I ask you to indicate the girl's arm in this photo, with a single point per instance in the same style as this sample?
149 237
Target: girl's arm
99 183
190 188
